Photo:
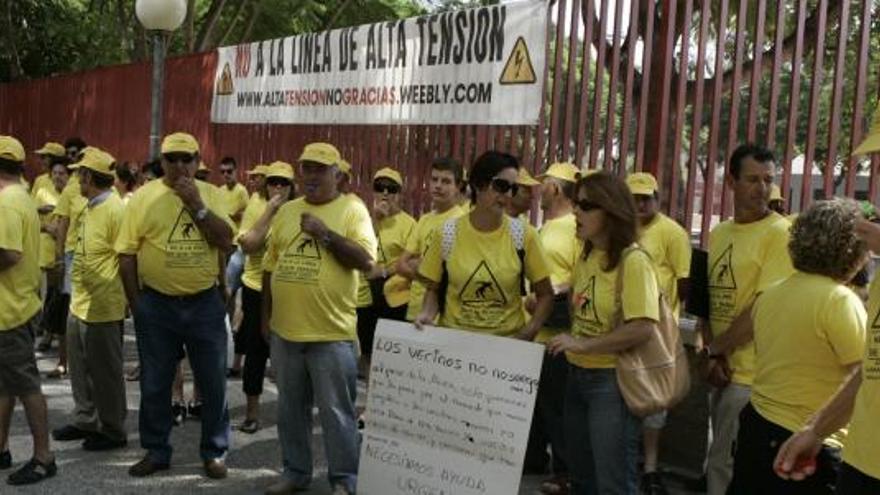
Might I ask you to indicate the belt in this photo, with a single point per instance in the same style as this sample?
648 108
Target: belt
184 297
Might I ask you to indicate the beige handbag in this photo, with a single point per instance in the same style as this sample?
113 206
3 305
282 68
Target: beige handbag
653 376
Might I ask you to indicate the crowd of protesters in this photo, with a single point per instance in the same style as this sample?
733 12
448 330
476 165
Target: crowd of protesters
302 269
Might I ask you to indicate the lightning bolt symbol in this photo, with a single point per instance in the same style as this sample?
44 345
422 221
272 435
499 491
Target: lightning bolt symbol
517 61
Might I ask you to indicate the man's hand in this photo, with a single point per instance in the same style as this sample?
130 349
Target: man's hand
717 372
313 226
186 190
796 459
381 208
275 202
565 342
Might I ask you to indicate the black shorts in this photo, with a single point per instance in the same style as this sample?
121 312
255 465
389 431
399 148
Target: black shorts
19 376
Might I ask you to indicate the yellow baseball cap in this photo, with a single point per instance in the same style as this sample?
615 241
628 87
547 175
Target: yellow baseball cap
97 160
562 170
323 153
525 178
279 169
344 167
871 143
202 165
259 169
180 142
390 174
642 183
52 149
11 149
775 193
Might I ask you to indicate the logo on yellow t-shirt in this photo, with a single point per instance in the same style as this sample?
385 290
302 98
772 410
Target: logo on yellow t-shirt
301 262
585 303
186 247
721 275
482 288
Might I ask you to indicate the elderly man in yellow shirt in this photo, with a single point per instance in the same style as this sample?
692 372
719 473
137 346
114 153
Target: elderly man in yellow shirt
317 244
169 246
50 154
97 307
19 307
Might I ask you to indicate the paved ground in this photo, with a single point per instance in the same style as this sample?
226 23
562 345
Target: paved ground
253 461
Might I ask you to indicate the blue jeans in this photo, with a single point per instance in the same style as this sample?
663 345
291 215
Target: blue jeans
234 270
602 435
164 325
323 373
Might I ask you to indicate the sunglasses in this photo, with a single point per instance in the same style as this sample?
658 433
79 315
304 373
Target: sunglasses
587 206
277 182
502 186
385 187
183 158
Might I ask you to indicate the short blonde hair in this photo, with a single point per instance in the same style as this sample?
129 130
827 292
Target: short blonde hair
824 241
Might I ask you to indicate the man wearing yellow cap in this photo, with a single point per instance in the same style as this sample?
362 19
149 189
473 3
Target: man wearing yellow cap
169 246
447 182
521 202
562 248
670 249
97 308
746 255
19 306
856 405
49 154
256 179
393 228
277 190
317 244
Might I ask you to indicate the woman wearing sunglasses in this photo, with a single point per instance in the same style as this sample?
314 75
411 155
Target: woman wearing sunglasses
476 265
255 221
601 432
393 228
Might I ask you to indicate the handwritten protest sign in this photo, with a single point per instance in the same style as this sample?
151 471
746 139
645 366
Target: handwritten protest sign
473 66
448 412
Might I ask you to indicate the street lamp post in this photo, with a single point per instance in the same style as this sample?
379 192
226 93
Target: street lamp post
159 17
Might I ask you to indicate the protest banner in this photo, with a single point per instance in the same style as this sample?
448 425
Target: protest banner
448 412
475 66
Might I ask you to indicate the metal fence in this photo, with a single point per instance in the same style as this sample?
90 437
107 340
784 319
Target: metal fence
668 86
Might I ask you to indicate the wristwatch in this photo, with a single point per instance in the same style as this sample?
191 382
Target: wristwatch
201 214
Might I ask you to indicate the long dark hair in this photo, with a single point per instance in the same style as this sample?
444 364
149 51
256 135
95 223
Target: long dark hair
611 193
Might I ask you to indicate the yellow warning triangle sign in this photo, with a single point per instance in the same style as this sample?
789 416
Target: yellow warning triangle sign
519 69
721 275
224 85
482 287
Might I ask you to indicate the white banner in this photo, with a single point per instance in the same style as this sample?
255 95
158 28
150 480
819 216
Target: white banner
475 66
447 412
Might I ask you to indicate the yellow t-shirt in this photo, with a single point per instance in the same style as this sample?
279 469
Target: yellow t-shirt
252 277
484 276
97 295
808 328
173 256
313 295
670 249
19 232
744 259
234 199
862 447
71 205
392 237
42 181
561 248
593 304
418 244
47 196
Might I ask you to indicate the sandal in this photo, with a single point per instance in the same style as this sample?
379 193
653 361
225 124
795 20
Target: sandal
57 373
250 426
33 472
